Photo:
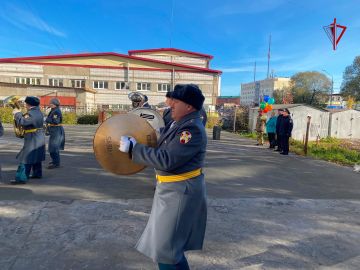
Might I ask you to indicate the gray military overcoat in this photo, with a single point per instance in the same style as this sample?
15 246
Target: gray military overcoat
33 150
178 216
57 134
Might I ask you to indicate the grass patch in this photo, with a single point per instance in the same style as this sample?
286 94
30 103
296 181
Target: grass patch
250 135
329 149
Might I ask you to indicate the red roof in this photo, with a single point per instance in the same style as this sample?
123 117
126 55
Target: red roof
171 50
21 60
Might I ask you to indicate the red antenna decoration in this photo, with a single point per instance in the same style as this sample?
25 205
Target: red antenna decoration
331 31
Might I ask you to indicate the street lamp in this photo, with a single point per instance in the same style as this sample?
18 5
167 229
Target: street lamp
332 86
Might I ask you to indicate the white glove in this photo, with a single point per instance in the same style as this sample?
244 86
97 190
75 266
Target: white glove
15 111
127 143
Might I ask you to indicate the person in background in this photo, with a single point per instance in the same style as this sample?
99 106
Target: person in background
33 151
285 131
260 127
271 129
145 104
1 129
167 112
278 125
178 216
203 116
56 131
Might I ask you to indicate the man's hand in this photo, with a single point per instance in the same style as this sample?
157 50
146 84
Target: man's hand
15 111
127 143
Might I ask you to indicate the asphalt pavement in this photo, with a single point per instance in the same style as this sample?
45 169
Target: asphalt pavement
266 211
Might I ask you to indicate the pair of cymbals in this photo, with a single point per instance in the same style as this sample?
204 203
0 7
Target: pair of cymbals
106 142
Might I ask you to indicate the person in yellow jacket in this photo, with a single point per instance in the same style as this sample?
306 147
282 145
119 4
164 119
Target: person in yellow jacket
260 127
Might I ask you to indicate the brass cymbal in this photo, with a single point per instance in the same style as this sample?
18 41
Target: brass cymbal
107 141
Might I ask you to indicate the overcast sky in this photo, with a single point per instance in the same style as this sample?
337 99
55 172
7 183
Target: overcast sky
235 32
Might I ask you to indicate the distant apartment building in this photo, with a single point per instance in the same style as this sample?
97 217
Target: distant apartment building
253 92
90 81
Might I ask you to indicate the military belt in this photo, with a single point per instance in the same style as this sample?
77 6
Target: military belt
31 130
178 177
54 125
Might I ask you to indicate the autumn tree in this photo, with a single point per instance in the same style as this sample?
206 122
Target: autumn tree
351 80
283 96
310 87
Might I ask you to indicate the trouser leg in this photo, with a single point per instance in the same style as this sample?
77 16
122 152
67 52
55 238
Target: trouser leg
271 137
182 265
285 145
55 156
37 169
28 169
279 142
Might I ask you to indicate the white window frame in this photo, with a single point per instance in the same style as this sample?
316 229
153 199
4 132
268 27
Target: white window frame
122 85
143 86
164 87
27 80
100 85
56 82
78 83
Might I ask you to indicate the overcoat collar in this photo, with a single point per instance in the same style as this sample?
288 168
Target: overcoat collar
188 117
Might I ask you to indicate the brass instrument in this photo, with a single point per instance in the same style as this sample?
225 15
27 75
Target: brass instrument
13 102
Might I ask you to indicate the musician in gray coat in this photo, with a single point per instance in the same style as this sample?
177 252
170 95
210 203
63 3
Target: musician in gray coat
167 112
56 132
178 216
33 151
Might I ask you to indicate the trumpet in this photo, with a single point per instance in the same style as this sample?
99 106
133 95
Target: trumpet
14 102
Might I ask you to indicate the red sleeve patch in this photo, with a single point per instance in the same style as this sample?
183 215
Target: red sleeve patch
185 137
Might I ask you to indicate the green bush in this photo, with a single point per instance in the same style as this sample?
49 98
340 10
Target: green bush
6 115
90 119
69 118
213 121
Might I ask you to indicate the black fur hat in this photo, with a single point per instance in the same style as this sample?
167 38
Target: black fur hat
190 94
32 101
168 94
55 101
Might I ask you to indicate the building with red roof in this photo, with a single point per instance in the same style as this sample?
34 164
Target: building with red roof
91 81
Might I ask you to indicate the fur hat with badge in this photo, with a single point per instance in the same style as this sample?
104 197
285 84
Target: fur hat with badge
190 94
32 101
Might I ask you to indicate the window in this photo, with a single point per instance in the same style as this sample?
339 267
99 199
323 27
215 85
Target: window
56 82
143 86
163 87
32 81
100 84
121 85
78 83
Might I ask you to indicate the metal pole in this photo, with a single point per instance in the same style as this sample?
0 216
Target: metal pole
234 124
268 67
307 134
332 89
